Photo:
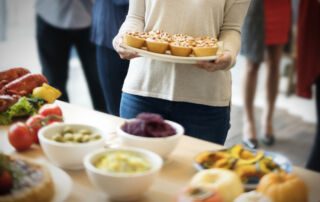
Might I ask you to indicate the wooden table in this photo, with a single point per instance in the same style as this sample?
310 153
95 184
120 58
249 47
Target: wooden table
176 172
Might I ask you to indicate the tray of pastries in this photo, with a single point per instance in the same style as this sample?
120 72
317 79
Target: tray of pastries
177 48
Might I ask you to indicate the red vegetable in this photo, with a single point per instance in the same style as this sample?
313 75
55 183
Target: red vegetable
20 136
50 109
35 123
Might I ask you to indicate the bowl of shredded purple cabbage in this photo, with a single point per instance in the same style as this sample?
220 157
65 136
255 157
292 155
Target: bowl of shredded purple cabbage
150 131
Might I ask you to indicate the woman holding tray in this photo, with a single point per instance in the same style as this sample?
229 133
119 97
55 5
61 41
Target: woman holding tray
196 96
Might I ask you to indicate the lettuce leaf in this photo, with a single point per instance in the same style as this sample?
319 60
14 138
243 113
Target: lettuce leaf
22 108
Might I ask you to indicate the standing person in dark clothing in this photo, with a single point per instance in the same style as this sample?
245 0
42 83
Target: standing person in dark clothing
308 65
107 19
62 24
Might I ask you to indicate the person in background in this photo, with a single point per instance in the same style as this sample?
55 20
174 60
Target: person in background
308 65
196 96
266 27
61 25
108 15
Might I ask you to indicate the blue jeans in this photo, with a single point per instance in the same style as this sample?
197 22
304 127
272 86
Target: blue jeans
199 121
112 72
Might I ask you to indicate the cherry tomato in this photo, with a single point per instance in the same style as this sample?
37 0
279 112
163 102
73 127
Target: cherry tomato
35 123
50 109
20 136
53 119
6 182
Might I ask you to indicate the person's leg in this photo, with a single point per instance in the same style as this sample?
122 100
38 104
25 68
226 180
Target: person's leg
54 49
250 84
132 105
272 84
313 162
87 54
112 72
201 121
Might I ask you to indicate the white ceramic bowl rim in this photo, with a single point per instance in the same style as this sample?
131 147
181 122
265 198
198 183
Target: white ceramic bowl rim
178 128
155 168
42 135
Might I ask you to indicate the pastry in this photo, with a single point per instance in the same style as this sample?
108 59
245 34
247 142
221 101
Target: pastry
181 45
24 181
135 39
158 42
205 46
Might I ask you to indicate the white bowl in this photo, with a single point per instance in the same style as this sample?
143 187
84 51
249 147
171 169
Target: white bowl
160 145
121 186
68 155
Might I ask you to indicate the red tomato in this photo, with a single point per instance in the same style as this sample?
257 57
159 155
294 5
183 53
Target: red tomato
53 119
35 123
50 109
20 136
6 182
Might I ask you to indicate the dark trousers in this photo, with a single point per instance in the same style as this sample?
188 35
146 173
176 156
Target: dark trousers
112 72
54 46
314 158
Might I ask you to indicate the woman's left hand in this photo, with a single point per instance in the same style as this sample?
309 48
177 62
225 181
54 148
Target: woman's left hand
221 63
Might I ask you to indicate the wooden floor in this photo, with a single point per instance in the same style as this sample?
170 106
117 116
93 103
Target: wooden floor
294 137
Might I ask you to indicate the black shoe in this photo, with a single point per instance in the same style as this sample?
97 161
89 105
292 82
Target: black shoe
268 140
250 143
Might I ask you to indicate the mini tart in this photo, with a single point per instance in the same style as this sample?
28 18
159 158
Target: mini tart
135 39
183 49
34 183
205 46
157 45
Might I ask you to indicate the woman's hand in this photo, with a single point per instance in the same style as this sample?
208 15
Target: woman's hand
124 53
223 62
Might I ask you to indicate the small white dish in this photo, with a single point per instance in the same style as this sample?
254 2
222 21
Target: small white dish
68 155
160 145
122 186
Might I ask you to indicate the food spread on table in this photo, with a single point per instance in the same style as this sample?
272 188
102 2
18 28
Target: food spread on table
24 180
177 44
123 162
71 135
149 125
222 174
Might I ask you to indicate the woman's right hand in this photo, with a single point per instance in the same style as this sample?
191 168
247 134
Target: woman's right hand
123 52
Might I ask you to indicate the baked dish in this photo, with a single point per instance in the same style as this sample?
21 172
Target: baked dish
181 45
135 39
205 46
22 180
178 44
158 42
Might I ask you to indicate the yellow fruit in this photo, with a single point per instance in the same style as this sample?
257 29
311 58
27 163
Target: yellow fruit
46 92
283 187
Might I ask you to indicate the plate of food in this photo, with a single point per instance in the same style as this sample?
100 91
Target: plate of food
176 48
22 93
23 179
62 184
250 165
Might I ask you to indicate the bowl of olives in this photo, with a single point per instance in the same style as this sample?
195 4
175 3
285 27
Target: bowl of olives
66 144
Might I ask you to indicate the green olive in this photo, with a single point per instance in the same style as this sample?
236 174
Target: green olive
85 132
67 130
68 137
57 138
